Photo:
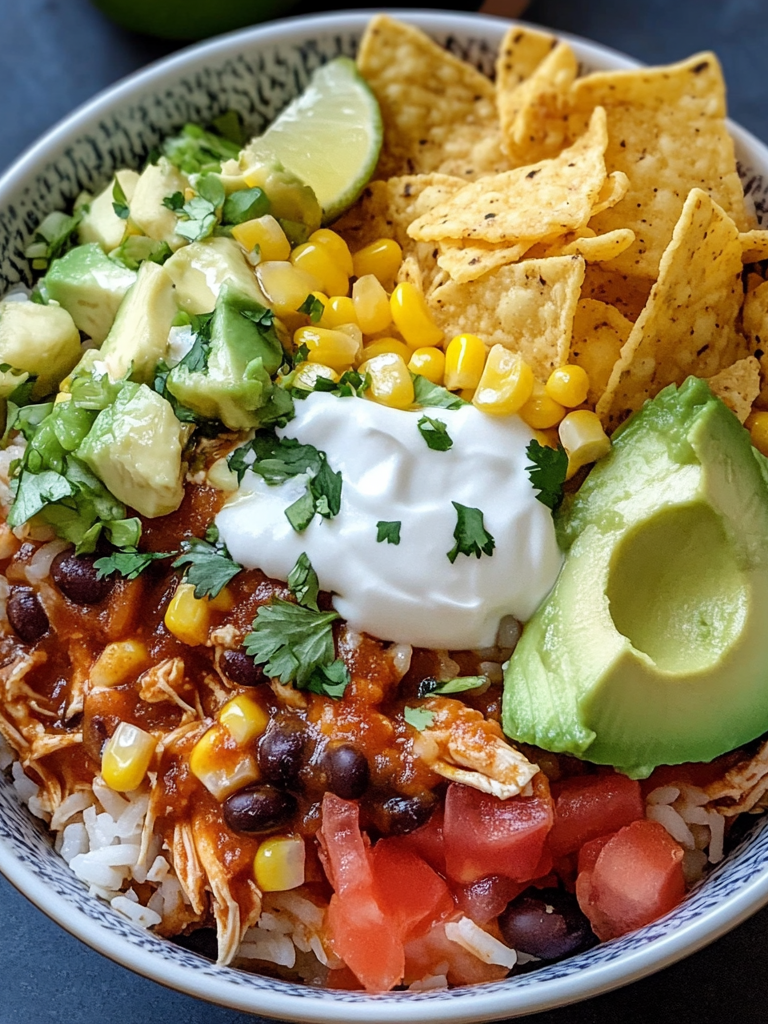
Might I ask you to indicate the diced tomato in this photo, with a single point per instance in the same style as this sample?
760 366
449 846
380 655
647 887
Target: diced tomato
589 806
407 889
487 836
434 953
629 879
485 899
427 841
361 933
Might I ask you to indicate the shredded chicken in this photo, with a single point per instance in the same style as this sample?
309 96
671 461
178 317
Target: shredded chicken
464 747
166 681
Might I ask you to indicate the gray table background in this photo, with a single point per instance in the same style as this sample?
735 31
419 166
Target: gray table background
54 55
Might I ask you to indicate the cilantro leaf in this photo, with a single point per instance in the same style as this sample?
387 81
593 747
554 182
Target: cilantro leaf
120 201
136 249
388 531
230 126
547 472
458 685
195 150
427 394
312 307
325 488
174 202
351 384
435 433
128 564
210 567
197 219
329 680
303 582
470 534
246 204
35 491
292 641
301 513
419 718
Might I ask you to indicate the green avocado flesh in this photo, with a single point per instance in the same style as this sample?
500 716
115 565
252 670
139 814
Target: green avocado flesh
652 647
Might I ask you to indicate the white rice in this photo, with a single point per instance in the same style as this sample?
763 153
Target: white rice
682 810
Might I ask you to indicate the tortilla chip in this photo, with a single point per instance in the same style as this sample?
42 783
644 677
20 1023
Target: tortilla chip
667 133
533 114
546 199
522 50
527 307
595 248
755 326
599 331
615 187
628 294
754 246
437 110
738 386
689 322
467 261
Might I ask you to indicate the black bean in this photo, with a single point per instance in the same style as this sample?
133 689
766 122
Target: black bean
77 578
241 669
281 752
399 815
259 809
346 769
27 615
546 923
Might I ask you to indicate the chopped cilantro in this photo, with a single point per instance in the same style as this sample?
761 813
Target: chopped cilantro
128 564
427 394
195 150
247 204
547 472
174 202
295 644
303 582
136 249
351 384
419 718
312 307
230 126
388 531
301 513
458 685
119 201
210 566
470 534
435 433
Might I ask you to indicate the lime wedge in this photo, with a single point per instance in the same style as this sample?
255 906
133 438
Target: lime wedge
330 136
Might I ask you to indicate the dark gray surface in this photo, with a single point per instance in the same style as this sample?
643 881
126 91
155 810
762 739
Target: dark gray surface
55 54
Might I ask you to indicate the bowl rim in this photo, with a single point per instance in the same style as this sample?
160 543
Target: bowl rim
472 1003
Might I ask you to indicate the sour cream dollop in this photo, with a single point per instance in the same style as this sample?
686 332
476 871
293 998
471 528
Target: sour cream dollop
409 592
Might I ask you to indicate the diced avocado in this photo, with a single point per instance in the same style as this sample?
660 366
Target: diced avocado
289 197
201 269
235 386
90 286
42 340
134 447
156 183
139 335
100 223
652 648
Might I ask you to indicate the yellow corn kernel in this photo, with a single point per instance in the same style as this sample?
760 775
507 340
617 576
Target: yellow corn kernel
223 602
221 769
243 718
336 349
582 436
568 385
285 286
337 247
339 309
429 363
391 382
541 411
506 383
381 345
464 362
306 375
318 260
126 756
412 317
757 425
267 234
467 394
119 662
372 307
549 438
279 864
188 617
381 258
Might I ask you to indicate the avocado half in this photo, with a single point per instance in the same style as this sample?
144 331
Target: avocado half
652 648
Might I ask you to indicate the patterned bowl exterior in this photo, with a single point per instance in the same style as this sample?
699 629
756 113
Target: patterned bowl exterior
257 72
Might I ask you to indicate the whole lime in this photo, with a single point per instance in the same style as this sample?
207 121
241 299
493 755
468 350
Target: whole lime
190 19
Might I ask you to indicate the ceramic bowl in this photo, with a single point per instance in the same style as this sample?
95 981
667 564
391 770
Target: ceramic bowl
257 72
